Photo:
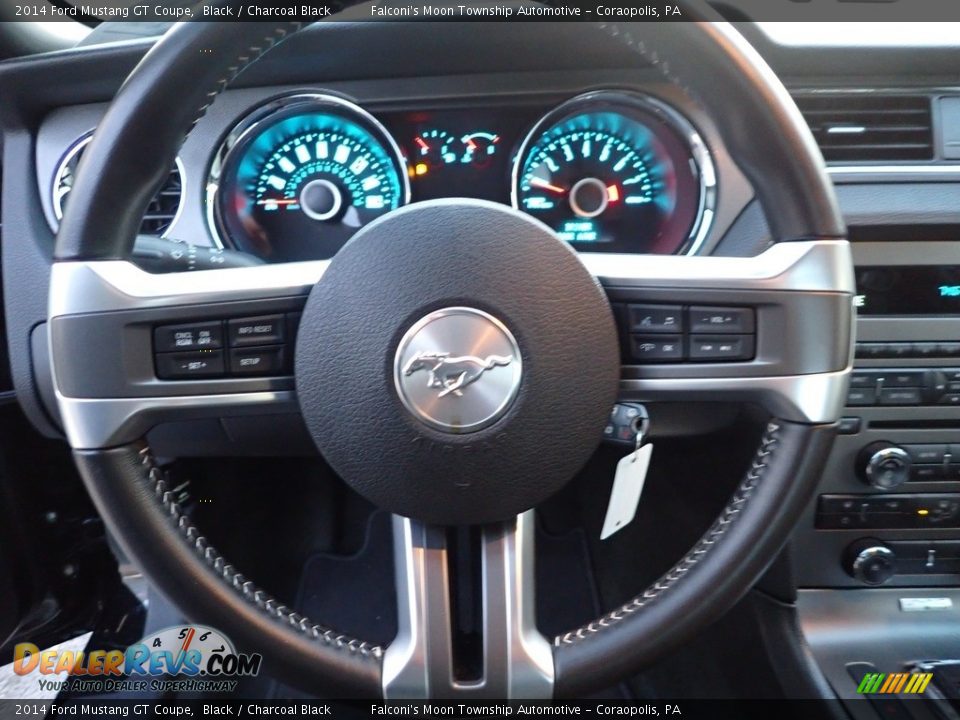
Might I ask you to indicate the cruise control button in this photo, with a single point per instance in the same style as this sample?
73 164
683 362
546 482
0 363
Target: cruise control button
264 330
657 348
721 347
656 318
195 336
257 361
721 320
187 365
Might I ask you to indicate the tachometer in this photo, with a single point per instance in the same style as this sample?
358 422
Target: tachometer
617 172
299 177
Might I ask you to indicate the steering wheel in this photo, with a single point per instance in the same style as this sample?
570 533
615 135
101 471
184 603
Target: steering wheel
452 276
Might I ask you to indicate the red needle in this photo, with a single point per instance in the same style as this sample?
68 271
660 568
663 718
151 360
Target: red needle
422 143
277 202
546 186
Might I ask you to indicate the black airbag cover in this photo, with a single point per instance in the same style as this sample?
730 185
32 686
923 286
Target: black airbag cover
430 256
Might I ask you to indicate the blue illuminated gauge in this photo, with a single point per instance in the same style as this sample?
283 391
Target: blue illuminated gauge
617 172
479 148
301 176
433 149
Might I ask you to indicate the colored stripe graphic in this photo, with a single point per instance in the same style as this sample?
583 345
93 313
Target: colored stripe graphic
894 683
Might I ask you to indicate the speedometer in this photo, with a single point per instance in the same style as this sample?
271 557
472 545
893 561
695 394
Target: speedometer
617 172
299 177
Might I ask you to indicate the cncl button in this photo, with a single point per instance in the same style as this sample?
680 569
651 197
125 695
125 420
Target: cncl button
196 336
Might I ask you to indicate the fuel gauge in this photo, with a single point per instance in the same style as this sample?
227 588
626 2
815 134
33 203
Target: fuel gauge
479 148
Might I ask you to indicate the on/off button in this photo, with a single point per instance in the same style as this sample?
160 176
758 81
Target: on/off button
264 330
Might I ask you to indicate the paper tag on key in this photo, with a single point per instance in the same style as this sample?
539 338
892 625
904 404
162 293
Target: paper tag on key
627 488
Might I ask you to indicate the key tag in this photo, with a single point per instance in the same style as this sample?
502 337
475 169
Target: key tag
628 483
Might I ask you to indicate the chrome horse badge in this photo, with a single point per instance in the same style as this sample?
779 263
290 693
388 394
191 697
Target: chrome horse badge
451 374
446 352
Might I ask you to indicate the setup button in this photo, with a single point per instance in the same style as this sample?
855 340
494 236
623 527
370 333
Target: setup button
257 360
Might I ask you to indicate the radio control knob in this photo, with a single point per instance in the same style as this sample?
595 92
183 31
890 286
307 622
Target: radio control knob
884 465
870 561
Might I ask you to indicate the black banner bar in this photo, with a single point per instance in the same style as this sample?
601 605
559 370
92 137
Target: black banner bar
433 709
899 11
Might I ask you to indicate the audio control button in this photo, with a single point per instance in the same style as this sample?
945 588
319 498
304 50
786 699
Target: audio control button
863 380
861 396
926 350
898 396
928 473
884 466
870 561
849 425
926 454
903 379
870 351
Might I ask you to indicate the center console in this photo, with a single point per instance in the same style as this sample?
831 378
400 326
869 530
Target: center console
888 509
877 555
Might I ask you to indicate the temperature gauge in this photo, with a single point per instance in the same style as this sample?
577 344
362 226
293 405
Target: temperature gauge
432 149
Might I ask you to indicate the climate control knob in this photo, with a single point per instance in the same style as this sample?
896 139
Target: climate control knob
884 465
870 561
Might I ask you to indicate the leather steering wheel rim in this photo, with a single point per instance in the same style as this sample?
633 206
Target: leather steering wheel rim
162 99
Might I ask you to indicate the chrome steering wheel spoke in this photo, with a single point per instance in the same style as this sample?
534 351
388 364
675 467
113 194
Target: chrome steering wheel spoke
516 661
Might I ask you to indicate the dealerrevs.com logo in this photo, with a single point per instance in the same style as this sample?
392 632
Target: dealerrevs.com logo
178 658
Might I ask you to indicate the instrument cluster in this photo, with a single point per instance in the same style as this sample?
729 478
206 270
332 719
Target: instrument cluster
608 171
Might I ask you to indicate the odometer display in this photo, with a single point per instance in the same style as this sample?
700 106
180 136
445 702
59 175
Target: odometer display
617 173
302 178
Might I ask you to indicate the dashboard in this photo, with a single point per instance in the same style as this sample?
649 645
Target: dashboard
297 173
545 129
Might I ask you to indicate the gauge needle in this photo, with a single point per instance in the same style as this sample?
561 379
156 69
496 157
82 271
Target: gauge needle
537 182
422 143
290 201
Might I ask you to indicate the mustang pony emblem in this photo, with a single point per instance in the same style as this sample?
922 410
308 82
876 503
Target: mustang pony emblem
451 374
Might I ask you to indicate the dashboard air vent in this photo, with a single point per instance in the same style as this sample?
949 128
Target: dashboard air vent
163 208
868 127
